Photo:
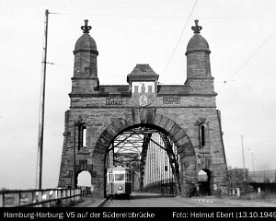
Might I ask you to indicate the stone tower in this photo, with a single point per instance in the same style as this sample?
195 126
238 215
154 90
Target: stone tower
85 77
184 114
199 76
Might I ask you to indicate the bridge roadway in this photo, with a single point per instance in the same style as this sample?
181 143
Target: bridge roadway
155 200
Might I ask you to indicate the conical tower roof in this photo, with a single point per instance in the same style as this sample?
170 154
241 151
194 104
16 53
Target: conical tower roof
197 42
86 42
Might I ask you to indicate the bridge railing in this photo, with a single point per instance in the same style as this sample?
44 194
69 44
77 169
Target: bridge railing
266 176
163 187
39 198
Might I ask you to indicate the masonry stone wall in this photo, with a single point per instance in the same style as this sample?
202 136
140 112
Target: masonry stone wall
97 113
185 113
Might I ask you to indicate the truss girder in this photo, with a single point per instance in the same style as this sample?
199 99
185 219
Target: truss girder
146 141
132 147
173 161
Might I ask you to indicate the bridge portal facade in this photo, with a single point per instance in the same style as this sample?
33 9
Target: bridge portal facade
185 114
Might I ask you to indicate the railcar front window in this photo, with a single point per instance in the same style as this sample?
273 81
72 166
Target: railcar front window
128 177
119 177
111 177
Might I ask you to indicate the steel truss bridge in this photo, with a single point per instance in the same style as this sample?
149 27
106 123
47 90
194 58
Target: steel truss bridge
151 155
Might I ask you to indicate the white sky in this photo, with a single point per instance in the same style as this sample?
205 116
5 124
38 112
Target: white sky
240 35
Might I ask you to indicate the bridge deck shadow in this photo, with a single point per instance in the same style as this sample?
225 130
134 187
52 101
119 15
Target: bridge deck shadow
141 195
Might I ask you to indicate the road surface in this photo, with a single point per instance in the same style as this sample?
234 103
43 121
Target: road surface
154 200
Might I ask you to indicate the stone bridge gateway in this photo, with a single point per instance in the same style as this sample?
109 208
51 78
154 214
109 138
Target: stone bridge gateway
186 114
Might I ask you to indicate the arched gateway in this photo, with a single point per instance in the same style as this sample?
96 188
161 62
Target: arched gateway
185 114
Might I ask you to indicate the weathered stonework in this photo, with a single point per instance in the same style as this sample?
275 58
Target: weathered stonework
181 112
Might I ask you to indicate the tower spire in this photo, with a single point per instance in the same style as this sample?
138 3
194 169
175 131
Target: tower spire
196 28
86 28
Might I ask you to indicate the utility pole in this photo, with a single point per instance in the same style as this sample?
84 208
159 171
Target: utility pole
41 107
253 162
243 161
252 155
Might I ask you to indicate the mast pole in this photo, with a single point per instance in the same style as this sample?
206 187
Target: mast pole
243 160
42 106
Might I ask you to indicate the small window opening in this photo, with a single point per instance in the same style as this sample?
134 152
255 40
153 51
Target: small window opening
120 177
84 136
150 89
202 135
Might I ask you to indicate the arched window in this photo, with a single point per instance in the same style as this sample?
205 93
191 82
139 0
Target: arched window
82 136
202 136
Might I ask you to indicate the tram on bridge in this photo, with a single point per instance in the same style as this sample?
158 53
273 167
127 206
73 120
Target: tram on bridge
119 181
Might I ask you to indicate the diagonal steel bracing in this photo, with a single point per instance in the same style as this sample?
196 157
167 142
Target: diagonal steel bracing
132 146
173 161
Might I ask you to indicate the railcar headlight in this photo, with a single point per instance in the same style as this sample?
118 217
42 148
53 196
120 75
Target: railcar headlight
120 187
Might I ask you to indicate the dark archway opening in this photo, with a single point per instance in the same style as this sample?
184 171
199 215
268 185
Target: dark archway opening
151 155
204 178
184 164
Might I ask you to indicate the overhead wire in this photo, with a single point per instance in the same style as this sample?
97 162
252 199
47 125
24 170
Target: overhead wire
248 59
157 17
180 36
176 45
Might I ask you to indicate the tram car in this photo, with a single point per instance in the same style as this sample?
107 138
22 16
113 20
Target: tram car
119 182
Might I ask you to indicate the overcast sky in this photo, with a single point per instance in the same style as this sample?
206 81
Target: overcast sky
241 35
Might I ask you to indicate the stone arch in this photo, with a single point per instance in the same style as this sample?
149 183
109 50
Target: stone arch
148 116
